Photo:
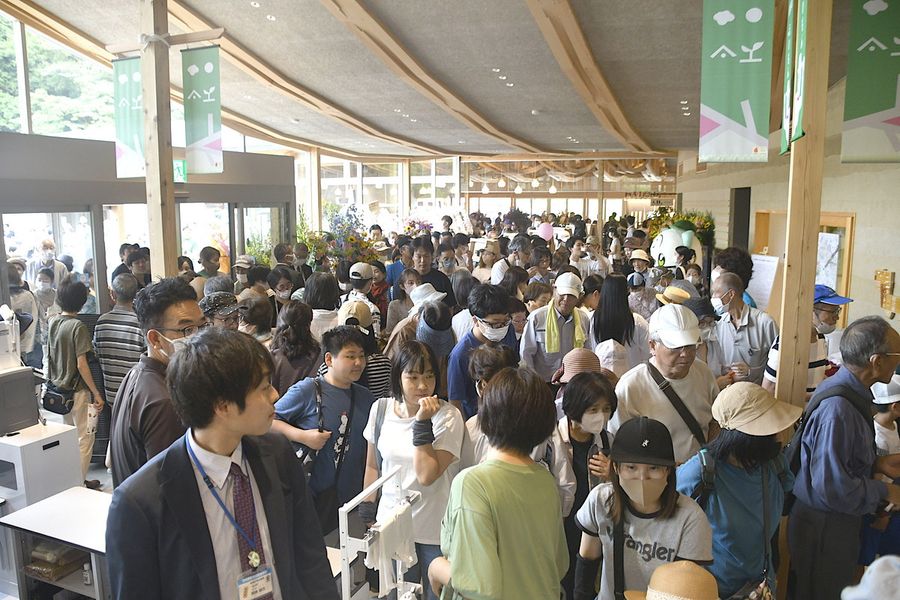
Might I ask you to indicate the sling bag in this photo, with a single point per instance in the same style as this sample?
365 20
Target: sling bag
666 388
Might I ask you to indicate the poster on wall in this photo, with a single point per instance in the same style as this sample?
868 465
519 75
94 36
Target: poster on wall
871 131
202 110
129 118
735 80
827 259
766 280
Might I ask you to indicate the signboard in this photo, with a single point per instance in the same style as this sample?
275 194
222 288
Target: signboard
129 118
799 72
788 94
202 109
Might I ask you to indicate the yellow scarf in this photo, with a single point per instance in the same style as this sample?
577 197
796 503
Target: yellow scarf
551 339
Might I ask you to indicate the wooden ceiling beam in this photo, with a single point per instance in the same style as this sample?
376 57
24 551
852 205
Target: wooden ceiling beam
611 155
256 67
383 44
567 42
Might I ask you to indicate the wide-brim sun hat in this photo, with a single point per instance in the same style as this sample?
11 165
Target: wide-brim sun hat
679 580
887 393
579 360
424 293
640 255
673 295
750 409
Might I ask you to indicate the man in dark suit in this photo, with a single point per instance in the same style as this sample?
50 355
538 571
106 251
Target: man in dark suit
225 509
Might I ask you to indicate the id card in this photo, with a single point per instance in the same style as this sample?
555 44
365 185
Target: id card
256 583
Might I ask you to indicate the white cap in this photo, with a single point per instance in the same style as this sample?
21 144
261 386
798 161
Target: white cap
887 393
675 326
882 575
361 271
568 283
424 293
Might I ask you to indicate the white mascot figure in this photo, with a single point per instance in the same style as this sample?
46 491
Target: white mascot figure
679 233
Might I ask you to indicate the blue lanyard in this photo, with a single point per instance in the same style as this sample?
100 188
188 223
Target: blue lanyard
212 489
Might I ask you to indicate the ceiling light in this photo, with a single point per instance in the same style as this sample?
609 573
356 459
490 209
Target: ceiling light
502 77
684 101
413 120
518 189
501 183
495 70
485 189
535 183
687 114
295 120
535 112
552 189
405 116
576 141
254 4
461 141
397 110
270 17
510 84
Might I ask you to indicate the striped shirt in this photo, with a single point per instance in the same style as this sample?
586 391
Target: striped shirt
818 363
376 377
118 343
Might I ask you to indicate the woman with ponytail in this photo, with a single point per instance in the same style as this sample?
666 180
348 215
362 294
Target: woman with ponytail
295 351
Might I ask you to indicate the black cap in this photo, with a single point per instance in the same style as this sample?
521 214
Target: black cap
645 441
701 307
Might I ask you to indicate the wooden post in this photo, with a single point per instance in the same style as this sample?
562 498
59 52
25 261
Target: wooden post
161 209
804 207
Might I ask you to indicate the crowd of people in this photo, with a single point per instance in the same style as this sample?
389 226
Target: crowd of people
576 420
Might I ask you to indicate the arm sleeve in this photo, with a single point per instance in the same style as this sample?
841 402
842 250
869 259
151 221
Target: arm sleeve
528 344
131 551
83 342
562 470
696 537
457 381
160 426
688 476
771 372
623 412
296 407
588 517
448 430
472 544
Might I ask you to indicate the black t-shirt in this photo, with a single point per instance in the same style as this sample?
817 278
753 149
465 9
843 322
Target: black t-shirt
122 268
439 282
580 456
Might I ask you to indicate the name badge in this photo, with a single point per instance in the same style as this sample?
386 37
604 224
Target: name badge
256 584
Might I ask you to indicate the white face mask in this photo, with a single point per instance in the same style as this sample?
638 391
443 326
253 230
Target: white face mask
694 279
242 277
177 345
595 422
708 334
643 491
823 328
286 295
44 285
720 307
48 255
493 335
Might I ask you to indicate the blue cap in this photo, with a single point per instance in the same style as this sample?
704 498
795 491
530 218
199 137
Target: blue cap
826 295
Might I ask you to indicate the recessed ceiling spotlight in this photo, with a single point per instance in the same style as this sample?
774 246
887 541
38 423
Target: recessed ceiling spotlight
535 112
509 84
270 17
397 110
687 114
295 120
461 141
501 77
254 4
684 101
495 70
413 120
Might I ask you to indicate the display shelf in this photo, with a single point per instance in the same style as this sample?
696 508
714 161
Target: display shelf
72 582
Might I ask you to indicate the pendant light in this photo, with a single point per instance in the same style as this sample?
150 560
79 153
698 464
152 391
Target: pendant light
552 189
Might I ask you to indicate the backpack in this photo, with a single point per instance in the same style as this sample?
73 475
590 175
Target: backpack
707 484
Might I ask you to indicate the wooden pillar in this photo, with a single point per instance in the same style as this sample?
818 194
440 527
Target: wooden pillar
315 188
161 209
804 207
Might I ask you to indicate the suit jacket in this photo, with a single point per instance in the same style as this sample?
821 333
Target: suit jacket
158 545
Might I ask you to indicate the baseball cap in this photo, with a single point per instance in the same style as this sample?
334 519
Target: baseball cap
220 304
644 441
640 255
356 310
748 408
578 360
681 579
673 295
701 307
880 576
245 261
826 295
636 280
675 326
568 283
361 271
887 393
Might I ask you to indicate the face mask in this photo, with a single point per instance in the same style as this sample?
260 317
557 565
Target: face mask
286 295
594 423
694 279
49 255
44 286
824 328
494 335
448 264
720 307
242 277
643 491
713 276
176 346
708 334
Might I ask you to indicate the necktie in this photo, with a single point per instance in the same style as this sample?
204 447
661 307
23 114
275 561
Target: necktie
245 515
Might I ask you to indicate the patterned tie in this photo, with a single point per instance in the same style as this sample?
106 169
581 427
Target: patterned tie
245 515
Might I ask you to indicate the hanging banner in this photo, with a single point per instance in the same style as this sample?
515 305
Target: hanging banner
129 118
787 96
872 99
736 80
799 73
202 109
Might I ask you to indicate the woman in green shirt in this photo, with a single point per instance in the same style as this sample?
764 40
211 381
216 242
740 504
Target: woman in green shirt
501 536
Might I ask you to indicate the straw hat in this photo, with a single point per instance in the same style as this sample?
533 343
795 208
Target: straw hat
681 579
673 295
578 360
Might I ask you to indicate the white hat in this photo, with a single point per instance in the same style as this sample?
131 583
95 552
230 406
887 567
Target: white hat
245 261
675 326
361 271
887 393
568 283
424 293
882 575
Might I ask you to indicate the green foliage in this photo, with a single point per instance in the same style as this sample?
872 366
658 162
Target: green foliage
260 248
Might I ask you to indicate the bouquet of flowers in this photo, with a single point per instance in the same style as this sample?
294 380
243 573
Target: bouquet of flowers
349 243
516 220
415 227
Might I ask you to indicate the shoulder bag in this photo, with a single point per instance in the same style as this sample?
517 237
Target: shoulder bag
55 399
666 388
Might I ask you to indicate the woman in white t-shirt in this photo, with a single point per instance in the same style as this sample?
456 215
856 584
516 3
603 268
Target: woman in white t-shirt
657 524
423 435
613 320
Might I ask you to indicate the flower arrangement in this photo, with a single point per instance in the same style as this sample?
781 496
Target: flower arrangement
349 243
701 222
516 220
415 227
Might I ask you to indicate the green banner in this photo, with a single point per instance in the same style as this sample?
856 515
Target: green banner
202 109
129 118
799 73
179 170
871 131
736 80
788 80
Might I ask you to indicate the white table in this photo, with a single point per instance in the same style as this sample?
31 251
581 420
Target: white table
75 517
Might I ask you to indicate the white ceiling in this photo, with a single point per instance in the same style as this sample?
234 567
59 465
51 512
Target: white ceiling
648 50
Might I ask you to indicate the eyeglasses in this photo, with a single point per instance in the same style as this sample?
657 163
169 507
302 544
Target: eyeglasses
836 311
494 325
187 331
520 321
889 353
232 320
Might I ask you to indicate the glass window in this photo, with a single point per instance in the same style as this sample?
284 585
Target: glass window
124 223
262 230
9 87
381 195
70 232
558 205
444 166
205 224
420 168
71 95
593 209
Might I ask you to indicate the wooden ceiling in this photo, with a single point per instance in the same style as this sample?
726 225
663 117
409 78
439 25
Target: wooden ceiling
503 79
